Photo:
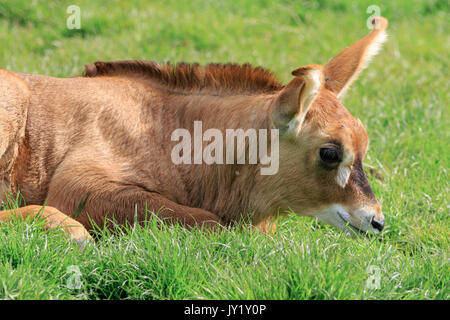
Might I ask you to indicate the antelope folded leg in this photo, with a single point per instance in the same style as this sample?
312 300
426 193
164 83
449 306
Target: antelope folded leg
53 218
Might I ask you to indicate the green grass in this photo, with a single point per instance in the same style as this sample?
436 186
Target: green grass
402 99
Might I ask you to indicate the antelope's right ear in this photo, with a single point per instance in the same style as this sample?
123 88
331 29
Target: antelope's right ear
295 99
341 71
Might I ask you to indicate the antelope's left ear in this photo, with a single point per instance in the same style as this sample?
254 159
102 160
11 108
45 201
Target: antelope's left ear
297 96
341 71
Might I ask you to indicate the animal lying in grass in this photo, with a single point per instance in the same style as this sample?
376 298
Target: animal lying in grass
106 140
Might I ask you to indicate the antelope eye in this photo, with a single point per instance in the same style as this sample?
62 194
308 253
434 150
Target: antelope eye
330 155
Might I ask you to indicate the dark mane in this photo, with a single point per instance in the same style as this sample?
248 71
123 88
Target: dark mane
212 78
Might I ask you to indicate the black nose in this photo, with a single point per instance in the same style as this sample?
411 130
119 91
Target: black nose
377 224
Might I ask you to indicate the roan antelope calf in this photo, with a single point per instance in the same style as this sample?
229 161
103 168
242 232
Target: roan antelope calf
105 139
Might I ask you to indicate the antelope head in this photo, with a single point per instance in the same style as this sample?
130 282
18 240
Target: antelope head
322 145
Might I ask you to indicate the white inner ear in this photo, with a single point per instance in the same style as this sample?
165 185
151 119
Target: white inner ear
309 93
371 51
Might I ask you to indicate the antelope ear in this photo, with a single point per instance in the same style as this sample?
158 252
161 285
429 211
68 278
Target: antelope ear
296 98
341 71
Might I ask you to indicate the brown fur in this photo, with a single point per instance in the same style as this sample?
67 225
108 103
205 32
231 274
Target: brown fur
104 140
214 79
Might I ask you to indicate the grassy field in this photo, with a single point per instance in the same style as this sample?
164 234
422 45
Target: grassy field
402 98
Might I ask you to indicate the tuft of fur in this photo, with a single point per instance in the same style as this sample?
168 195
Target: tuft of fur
220 79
